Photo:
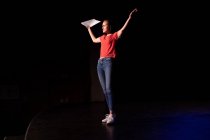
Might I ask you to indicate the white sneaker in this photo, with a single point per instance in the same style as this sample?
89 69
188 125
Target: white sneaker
110 119
106 118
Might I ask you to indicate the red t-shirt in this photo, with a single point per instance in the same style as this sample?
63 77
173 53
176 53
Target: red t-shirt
108 43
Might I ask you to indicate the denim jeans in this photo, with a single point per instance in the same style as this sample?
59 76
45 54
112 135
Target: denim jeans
104 70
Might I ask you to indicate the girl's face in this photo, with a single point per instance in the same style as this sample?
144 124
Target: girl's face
105 27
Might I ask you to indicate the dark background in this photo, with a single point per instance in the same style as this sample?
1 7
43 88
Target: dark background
46 55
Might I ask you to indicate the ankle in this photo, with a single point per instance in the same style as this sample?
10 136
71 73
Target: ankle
112 114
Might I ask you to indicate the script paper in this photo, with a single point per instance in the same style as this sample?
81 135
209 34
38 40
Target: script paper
90 23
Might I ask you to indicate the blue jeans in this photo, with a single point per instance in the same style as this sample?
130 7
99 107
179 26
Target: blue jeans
104 70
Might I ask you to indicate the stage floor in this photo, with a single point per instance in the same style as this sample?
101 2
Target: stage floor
147 120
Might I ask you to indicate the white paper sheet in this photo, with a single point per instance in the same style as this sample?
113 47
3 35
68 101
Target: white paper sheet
90 23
